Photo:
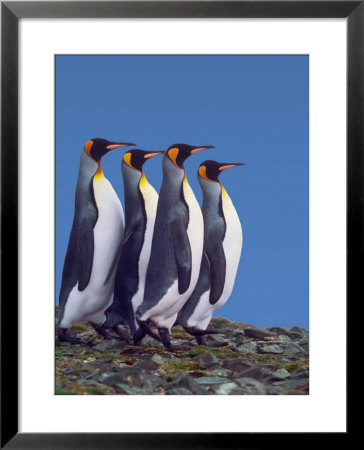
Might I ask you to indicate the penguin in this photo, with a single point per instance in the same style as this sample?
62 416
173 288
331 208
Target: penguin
176 251
223 241
91 258
140 202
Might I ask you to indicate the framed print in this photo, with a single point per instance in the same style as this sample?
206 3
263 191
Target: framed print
263 93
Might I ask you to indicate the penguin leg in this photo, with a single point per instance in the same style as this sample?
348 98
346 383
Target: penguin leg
102 331
201 340
145 326
63 336
200 335
165 337
139 336
197 332
122 334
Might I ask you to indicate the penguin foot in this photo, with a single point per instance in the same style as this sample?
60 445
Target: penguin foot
122 334
197 332
165 337
201 340
101 330
145 326
179 348
139 336
63 336
200 335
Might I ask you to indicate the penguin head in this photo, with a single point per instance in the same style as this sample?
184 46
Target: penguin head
178 153
210 170
136 158
96 148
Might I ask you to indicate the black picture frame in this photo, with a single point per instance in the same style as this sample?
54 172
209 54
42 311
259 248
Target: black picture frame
11 12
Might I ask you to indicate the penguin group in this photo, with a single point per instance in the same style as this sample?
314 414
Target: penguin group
167 262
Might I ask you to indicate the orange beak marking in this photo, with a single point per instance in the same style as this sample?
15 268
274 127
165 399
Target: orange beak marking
226 167
197 149
111 147
150 155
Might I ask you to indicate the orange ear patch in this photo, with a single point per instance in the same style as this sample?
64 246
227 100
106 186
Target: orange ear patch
202 172
173 153
88 146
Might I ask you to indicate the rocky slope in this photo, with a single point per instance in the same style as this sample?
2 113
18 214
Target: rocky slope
241 359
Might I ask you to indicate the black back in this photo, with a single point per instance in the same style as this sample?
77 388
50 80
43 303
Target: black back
127 273
79 257
171 253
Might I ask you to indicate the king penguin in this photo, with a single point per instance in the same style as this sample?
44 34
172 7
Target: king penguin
97 229
140 202
176 251
223 241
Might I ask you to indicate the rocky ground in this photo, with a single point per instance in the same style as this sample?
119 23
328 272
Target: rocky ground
241 359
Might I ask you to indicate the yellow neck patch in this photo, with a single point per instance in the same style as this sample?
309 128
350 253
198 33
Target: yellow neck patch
143 180
99 173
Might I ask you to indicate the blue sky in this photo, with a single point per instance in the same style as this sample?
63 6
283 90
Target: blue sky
253 109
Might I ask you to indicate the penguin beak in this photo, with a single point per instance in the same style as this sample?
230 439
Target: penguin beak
197 149
227 166
151 154
120 144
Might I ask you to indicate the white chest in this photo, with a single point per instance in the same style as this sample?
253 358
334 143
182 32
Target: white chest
108 229
90 303
195 232
232 244
150 197
165 312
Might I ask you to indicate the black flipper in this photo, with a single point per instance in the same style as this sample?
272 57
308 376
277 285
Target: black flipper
115 261
203 284
217 271
121 309
70 271
182 253
80 251
86 252
123 241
